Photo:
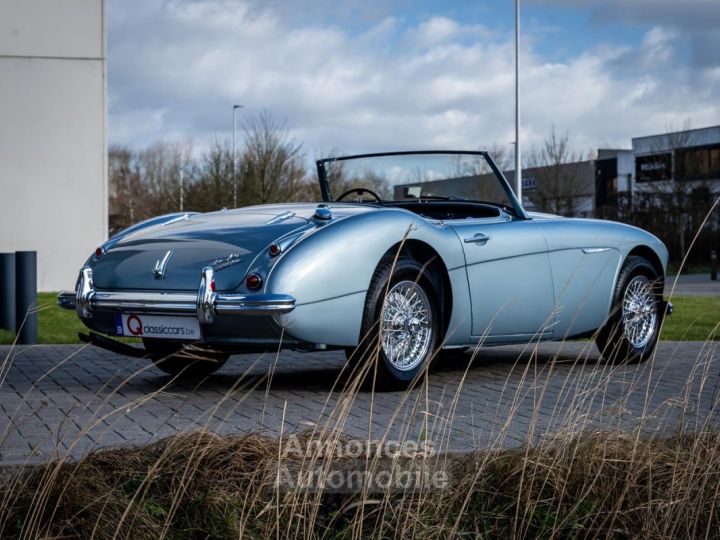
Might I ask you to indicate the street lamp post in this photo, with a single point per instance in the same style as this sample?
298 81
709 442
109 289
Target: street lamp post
518 168
182 189
234 155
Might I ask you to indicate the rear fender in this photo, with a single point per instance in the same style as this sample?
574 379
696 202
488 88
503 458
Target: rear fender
328 273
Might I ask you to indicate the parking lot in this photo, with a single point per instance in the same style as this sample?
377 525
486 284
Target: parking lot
66 400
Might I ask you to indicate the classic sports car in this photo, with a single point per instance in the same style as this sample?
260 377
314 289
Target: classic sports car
422 251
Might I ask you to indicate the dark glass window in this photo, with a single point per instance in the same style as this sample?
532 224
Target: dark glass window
702 163
653 168
715 160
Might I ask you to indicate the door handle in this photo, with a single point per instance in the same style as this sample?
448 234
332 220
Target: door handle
478 238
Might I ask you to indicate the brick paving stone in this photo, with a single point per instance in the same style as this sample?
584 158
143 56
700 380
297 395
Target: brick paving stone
58 399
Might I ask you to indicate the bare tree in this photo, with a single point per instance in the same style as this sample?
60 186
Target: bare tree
501 154
371 179
308 190
563 177
129 196
163 165
336 175
212 188
271 165
474 178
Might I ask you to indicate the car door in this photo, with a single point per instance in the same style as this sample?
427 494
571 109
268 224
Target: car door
509 278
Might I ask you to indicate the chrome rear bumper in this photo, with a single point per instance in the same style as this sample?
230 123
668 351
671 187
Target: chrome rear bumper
205 304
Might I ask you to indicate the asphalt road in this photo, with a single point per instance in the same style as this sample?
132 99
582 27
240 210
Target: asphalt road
692 285
60 401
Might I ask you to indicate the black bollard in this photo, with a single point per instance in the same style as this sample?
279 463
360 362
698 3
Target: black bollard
713 265
26 297
7 291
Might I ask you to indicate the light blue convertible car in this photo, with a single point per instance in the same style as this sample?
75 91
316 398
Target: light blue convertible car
410 254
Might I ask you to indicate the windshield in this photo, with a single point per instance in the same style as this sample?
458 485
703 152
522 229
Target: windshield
415 176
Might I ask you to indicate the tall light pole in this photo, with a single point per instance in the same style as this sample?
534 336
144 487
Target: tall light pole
234 156
182 189
518 168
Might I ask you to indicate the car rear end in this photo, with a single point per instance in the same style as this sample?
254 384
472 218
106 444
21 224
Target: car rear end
193 278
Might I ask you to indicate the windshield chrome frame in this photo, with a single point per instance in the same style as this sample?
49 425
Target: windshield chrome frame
327 196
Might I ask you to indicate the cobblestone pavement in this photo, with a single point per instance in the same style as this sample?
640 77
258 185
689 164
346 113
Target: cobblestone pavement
59 401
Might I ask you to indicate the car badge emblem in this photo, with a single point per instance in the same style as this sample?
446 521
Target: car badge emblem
161 265
230 260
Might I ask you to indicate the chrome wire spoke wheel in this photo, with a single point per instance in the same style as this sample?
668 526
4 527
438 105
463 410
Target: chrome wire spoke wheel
406 325
639 312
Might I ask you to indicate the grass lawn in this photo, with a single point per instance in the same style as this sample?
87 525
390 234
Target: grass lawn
55 325
695 319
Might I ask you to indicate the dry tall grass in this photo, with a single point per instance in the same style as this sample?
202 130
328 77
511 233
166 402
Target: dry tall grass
200 485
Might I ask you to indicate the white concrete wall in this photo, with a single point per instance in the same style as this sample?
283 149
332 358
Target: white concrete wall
53 173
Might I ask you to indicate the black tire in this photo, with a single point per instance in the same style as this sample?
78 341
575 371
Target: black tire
612 339
174 360
369 360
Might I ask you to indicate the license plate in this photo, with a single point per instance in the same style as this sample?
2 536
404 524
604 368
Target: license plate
157 326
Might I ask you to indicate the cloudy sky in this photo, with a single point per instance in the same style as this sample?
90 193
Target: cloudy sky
374 75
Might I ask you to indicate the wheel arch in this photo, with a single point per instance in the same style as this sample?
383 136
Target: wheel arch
425 254
649 254
611 340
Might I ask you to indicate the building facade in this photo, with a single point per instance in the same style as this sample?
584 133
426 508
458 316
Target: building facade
53 164
690 157
669 169
566 189
665 183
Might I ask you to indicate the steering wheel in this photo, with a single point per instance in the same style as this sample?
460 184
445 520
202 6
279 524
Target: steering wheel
359 191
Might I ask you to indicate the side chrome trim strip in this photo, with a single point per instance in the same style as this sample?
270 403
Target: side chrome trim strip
261 304
595 250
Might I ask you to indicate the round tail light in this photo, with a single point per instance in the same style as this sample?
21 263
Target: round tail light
99 251
274 250
253 282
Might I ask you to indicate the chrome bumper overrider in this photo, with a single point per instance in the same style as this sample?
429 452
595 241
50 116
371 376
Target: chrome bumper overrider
206 303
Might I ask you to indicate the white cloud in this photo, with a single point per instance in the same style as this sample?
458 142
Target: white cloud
436 30
657 45
176 69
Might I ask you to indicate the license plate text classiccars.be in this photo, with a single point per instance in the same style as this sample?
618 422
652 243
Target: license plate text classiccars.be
154 326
